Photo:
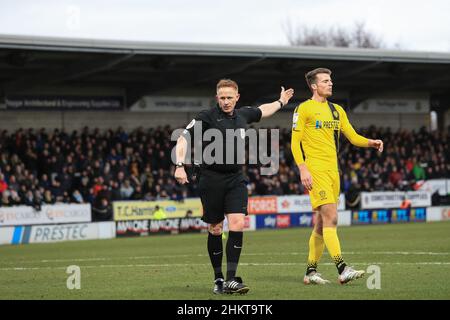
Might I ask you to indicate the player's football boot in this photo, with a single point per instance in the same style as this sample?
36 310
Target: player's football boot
350 274
218 286
235 285
314 278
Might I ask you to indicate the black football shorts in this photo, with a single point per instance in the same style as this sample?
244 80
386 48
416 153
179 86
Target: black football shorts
222 193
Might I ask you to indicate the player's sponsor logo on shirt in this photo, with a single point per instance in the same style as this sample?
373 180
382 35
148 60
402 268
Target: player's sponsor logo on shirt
334 124
318 124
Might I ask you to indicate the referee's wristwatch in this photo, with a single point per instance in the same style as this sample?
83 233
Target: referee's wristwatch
180 165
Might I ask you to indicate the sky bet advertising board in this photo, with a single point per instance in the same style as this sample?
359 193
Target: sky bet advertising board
389 216
280 221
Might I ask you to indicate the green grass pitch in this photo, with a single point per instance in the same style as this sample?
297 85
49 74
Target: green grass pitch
414 261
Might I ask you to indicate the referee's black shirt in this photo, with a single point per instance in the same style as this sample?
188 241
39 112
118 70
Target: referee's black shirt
216 118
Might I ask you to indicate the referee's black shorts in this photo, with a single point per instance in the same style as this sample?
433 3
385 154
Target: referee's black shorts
222 193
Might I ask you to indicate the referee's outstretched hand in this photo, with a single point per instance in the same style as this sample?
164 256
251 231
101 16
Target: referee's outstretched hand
286 95
181 176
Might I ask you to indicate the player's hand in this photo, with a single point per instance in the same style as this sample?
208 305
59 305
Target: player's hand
286 95
377 144
306 178
181 176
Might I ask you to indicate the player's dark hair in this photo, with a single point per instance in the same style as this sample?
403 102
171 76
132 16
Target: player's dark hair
311 76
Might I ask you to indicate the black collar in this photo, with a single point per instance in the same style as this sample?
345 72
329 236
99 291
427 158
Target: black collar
226 115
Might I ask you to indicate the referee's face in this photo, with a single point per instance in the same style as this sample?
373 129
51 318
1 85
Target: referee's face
227 97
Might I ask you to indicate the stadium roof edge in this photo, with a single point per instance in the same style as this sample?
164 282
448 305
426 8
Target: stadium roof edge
264 51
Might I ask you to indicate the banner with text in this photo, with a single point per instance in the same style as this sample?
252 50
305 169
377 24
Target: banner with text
25 102
284 204
56 233
165 226
390 105
384 216
57 213
142 210
302 203
172 104
394 199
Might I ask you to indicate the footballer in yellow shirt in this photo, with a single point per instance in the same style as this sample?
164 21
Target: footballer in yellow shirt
317 124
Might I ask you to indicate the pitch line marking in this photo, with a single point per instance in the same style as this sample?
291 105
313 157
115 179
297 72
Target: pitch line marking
245 264
243 254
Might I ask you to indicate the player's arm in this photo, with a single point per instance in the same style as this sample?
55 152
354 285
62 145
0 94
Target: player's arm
355 138
298 128
200 122
269 109
180 152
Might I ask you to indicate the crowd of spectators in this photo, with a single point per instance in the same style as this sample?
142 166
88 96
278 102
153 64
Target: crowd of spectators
89 166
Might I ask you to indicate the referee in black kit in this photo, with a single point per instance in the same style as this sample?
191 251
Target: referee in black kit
222 186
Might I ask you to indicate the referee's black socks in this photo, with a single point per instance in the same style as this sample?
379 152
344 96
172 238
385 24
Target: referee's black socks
215 250
234 247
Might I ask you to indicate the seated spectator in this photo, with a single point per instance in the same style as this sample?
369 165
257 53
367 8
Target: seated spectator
3 183
137 193
48 197
6 199
126 190
395 177
101 210
77 197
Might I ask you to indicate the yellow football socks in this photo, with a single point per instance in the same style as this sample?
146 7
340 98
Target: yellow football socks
334 248
316 246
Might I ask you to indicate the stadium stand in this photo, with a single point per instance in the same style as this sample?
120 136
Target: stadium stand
89 166
102 165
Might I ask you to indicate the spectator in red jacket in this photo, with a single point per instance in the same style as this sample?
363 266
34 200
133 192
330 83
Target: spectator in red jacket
3 184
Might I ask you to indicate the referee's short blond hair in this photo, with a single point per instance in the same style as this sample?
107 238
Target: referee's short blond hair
227 83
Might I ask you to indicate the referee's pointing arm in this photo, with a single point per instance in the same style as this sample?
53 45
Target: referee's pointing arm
269 109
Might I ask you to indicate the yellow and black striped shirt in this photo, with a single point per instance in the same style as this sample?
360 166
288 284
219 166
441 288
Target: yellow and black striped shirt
313 140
